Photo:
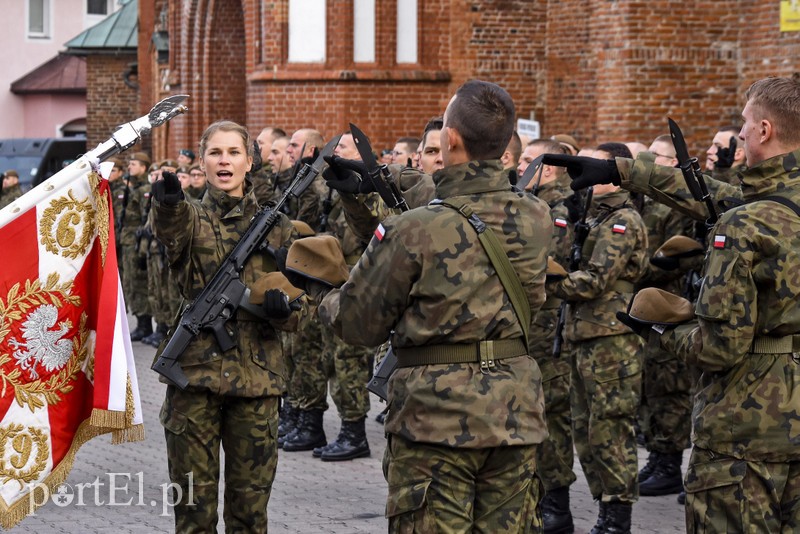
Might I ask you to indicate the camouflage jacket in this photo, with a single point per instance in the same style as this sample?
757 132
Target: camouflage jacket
117 189
198 236
613 259
667 185
662 223
747 403
138 199
730 175
9 195
543 328
427 280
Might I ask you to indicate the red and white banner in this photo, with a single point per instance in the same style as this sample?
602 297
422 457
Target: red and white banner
66 364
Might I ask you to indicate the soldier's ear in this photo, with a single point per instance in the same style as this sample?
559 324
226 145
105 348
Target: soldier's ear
454 140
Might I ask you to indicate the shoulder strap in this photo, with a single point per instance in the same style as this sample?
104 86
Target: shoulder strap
500 262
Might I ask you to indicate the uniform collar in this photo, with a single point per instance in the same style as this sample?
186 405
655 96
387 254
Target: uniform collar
225 205
771 175
477 176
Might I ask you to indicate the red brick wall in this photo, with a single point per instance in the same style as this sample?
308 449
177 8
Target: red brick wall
109 102
596 69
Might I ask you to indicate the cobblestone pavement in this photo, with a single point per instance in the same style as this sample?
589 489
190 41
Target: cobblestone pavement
122 488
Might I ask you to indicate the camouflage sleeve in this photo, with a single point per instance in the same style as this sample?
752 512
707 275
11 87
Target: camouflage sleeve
667 185
619 239
366 308
675 223
172 226
362 214
727 306
309 206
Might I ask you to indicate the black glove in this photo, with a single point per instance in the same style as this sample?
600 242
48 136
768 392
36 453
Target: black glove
168 190
141 262
574 205
725 156
347 175
585 172
276 304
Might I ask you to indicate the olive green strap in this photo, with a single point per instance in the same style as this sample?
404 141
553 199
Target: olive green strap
501 263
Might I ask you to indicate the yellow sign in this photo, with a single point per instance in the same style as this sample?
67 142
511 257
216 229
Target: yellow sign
790 15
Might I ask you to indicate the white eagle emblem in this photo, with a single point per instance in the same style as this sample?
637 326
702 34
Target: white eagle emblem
42 345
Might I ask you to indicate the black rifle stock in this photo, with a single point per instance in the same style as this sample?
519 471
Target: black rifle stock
575 255
223 295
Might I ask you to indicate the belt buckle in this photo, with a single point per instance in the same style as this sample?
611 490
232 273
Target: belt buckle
486 349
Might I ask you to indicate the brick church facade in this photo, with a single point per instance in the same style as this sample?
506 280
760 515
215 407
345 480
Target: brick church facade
601 70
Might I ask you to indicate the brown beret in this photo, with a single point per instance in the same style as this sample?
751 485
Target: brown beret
656 306
142 157
679 246
12 172
566 139
319 258
273 280
303 229
554 270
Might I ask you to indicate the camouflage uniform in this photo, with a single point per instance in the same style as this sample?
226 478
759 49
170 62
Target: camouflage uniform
461 451
606 372
728 175
667 380
9 195
555 456
744 473
134 260
232 397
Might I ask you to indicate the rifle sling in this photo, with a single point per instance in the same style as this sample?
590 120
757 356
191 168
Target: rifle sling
500 262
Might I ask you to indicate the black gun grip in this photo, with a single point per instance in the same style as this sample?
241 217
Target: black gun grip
172 371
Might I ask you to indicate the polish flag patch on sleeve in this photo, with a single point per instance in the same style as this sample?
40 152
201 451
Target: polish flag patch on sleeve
561 223
619 228
380 231
719 241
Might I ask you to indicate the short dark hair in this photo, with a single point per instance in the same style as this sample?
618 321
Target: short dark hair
435 123
549 146
483 114
617 150
515 146
411 143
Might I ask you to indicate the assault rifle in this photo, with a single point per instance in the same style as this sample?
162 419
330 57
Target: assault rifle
225 293
575 255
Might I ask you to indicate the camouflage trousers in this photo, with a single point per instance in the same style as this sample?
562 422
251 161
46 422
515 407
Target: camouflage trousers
440 489
134 281
351 369
308 384
162 289
666 409
606 384
195 424
730 495
555 455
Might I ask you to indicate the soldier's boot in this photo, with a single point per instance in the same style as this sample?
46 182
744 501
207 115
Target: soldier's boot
292 432
649 467
666 477
160 333
381 417
351 443
288 419
682 497
618 518
309 433
144 327
556 517
600 526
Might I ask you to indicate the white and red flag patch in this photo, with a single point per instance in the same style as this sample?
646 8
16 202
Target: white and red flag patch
66 364
559 222
719 241
380 232
619 228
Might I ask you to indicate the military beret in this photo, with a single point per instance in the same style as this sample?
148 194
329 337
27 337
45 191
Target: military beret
566 139
188 153
319 258
141 157
555 271
273 280
11 172
168 163
303 229
656 306
679 246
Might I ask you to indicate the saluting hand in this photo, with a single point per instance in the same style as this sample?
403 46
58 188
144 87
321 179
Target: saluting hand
585 172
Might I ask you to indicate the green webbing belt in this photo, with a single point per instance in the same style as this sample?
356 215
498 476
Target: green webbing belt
501 263
776 345
485 352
